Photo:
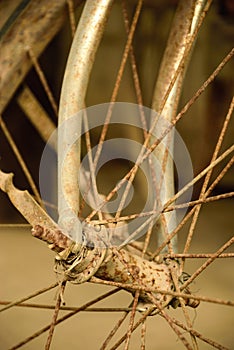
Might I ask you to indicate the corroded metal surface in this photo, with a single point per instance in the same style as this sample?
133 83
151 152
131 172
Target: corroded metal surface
76 78
79 262
166 96
128 268
25 203
81 267
14 59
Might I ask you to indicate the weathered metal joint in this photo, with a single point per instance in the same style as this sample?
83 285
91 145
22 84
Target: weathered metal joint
80 265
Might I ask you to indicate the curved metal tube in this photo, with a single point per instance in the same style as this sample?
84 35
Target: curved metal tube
76 78
178 50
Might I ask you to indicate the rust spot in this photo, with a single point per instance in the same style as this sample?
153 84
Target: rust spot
160 270
135 269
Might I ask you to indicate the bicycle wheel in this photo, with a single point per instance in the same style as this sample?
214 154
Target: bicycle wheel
138 226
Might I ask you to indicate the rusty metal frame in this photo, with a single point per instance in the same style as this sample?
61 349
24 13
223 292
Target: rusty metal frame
79 65
167 93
